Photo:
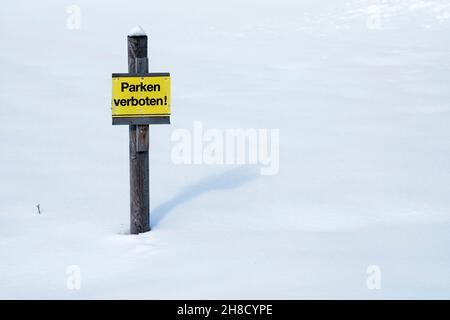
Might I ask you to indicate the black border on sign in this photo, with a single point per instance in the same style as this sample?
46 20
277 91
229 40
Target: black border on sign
143 115
140 120
141 75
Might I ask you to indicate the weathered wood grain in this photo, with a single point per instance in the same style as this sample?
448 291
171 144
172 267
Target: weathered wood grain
139 147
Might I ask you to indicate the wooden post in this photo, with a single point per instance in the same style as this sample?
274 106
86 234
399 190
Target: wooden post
139 146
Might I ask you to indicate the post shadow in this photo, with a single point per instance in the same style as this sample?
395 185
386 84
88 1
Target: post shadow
230 179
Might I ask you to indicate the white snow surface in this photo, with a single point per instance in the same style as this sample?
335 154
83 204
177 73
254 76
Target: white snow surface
359 90
137 31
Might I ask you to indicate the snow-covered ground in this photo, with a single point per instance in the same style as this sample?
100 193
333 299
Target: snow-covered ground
359 91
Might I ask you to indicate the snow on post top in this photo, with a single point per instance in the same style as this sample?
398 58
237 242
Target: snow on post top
137 31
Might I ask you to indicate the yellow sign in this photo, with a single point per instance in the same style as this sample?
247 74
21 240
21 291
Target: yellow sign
140 96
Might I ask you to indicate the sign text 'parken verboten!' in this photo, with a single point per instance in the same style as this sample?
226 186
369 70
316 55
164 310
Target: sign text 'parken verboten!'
141 96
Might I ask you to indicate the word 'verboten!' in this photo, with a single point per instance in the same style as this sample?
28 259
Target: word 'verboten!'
140 102
140 96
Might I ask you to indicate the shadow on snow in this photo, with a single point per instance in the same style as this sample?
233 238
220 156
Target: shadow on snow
227 180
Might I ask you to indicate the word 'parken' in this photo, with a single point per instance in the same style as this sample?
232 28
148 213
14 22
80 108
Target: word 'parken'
141 87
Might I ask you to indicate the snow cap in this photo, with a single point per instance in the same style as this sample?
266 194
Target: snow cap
137 31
